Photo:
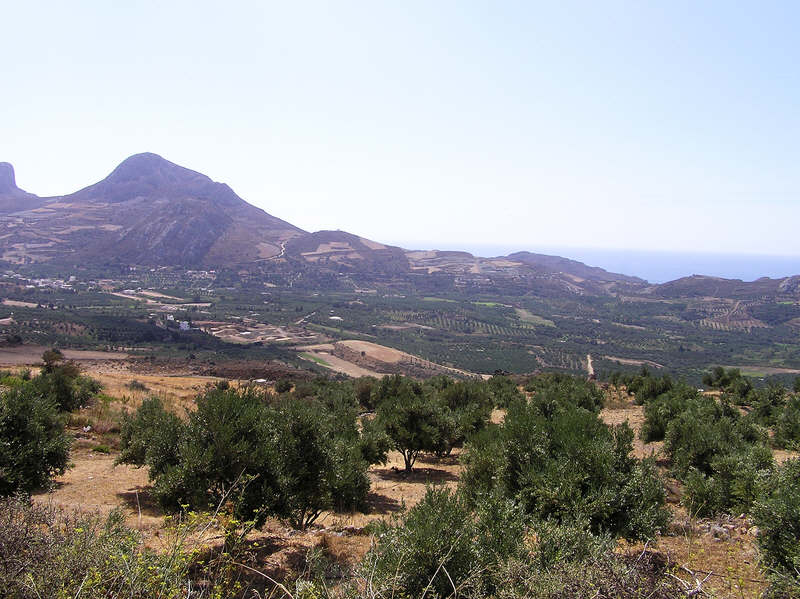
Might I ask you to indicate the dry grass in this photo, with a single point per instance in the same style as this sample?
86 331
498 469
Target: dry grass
177 392
733 563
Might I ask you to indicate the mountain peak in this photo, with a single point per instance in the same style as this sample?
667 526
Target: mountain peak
8 182
154 169
148 175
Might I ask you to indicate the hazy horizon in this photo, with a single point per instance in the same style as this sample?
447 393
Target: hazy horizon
614 125
653 266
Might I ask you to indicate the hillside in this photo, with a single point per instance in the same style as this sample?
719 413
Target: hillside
343 250
147 211
570 267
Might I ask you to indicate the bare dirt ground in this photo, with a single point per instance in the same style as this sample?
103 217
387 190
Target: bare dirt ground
634 416
18 304
32 354
337 364
632 362
374 352
377 352
161 296
767 369
95 484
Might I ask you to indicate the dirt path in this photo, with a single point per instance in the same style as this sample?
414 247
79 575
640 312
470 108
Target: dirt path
589 367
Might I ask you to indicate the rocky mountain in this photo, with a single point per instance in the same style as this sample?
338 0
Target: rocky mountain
147 211
12 198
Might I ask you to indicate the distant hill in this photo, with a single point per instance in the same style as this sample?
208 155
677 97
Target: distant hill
147 211
704 286
570 267
343 250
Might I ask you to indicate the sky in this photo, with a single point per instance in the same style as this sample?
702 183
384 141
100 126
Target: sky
658 126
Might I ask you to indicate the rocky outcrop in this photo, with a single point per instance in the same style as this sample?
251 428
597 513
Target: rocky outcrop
8 183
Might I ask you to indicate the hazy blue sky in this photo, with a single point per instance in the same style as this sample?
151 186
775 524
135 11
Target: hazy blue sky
660 125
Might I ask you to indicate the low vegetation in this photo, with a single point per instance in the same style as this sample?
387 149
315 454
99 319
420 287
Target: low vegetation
546 494
34 445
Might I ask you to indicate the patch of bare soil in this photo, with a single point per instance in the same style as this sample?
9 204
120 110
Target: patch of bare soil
32 354
337 364
634 416
723 552
389 360
375 351
95 484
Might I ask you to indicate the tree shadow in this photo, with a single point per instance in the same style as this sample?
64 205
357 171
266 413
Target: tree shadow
140 499
446 460
382 504
417 475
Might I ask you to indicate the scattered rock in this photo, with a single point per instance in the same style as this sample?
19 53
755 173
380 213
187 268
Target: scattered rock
719 532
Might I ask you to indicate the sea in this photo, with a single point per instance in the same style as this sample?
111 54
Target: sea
653 266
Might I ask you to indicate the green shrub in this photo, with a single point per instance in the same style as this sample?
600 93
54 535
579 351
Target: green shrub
567 466
767 404
283 386
293 459
34 446
412 419
719 378
442 544
375 443
567 543
438 530
553 391
661 410
732 486
316 469
363 391
151 437
648 387
705 430
465 409
47 552
777 514
503 391
225 452
787 425
136 385
63 383
569 562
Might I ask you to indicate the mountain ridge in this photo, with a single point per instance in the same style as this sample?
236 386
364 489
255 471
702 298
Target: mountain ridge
152 211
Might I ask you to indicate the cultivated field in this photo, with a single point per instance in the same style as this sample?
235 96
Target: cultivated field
32 354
